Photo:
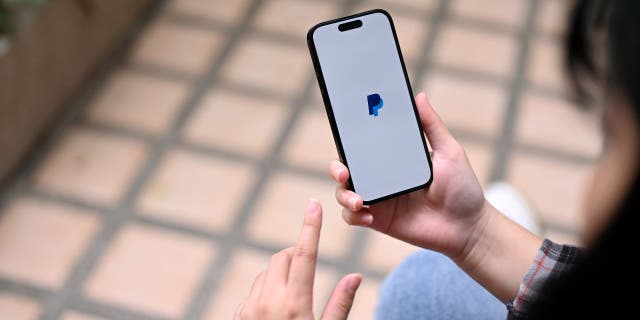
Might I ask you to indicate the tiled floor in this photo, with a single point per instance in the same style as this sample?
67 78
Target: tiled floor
189 158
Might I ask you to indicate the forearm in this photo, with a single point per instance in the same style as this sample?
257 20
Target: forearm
499 253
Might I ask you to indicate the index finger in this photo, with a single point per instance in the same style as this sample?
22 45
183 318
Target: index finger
303 263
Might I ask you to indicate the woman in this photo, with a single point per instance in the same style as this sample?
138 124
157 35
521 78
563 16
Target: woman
535 278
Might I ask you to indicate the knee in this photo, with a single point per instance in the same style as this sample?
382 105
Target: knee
415 282
429 285
419 267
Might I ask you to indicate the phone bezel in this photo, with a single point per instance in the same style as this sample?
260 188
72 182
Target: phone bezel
329 108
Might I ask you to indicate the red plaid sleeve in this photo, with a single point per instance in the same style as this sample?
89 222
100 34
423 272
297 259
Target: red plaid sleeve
551 262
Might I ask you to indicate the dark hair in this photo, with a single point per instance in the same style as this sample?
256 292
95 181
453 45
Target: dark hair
604 283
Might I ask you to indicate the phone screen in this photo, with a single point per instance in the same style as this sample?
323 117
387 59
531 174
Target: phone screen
370 105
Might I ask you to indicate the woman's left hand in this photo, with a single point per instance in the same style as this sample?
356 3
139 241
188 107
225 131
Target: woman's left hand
285 289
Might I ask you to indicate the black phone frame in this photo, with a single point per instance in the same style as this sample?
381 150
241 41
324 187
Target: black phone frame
329 108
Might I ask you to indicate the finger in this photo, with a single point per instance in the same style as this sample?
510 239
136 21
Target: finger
342 297
362 217
432 125
278 271
348 198
338 172
303 263
256 288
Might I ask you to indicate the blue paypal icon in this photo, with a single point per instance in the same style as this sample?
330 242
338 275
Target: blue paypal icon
375 104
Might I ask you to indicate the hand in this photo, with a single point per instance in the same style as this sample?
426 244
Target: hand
285 289
442 217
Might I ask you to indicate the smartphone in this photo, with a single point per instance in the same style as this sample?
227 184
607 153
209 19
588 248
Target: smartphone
370 106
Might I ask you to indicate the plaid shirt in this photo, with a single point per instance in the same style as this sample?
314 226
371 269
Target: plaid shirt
552 261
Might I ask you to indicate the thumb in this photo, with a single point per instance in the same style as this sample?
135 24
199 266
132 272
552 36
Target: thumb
433 127
342 297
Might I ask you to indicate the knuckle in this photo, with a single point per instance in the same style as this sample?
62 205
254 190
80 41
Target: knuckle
305 253
343 306
263 309
292 310
342 195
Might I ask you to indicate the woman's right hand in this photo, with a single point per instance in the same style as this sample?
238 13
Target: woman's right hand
444 216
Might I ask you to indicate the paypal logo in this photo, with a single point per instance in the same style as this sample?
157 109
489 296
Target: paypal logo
375 104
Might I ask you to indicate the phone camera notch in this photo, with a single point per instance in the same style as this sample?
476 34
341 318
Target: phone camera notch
354 24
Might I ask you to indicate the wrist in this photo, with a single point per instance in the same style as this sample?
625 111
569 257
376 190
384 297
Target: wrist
498 253
476 244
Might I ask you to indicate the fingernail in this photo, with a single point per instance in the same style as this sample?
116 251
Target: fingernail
314 206
354 203
354 283
367 219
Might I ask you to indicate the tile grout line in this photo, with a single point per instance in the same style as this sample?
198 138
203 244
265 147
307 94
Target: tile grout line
24 289
425 65
505 140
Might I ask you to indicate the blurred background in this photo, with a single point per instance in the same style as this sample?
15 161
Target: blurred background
154 154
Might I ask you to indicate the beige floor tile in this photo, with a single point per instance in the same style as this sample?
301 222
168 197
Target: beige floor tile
177 47
412 34
545 67
506 12
229 12
563 238
18 308
555 124
150 270
420 6
554 188
384 253
311 143
282 206
74 315
242 124
91 166
467 104
366 299
268 65
481 158
294 17
137 101
476 50
196 190
552 16
242 271
41 241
